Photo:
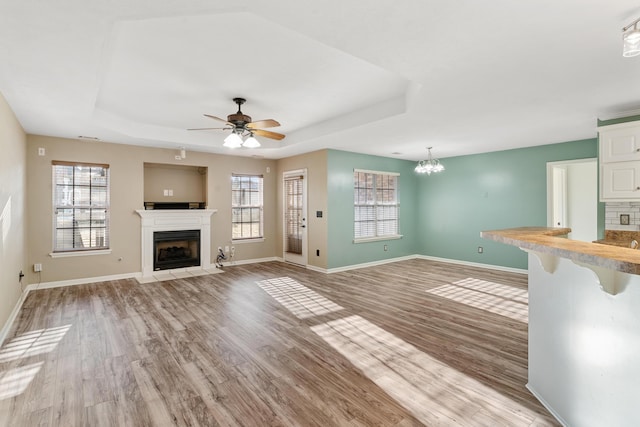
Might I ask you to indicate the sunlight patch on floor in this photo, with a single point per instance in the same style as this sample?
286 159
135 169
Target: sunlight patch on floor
33 343
496 298
432 391
297 298
15 381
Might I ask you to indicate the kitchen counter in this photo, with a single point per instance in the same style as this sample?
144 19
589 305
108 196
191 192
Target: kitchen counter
551 241
584 328
621 238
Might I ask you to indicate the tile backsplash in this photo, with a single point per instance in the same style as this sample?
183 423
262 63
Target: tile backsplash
613 210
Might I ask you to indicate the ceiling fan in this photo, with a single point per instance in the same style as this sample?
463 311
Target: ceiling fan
241 125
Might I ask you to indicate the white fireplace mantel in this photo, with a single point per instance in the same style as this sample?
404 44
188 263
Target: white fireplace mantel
174 220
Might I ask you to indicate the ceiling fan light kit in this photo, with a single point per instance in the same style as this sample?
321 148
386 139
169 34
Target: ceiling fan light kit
251 142
241 125
233 141
631 40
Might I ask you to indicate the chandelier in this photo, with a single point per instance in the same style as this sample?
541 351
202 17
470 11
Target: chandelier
631 39
430 165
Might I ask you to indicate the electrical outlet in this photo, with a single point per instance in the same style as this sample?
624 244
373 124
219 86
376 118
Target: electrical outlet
37 268
480 249
219 248
41 151
386 248
233 251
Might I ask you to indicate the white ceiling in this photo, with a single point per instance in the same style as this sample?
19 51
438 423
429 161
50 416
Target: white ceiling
380 77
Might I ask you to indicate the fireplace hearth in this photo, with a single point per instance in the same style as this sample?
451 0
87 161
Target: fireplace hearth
176 249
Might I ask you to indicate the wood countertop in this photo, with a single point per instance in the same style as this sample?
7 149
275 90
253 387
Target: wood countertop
551 241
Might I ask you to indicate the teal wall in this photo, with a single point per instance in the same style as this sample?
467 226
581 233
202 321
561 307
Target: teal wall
490 191
442 215
341 249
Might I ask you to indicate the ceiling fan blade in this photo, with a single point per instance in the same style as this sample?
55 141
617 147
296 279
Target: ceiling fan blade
267 123
268 134
218 118
208 128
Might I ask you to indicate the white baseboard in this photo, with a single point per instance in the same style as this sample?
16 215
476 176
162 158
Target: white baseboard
546 405
317 269
416 256
84 281
473 264
369 264
14 314
250 261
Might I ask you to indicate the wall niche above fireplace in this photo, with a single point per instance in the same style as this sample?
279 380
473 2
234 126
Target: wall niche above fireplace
164 183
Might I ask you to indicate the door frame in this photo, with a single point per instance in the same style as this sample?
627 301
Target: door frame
292 258
563 165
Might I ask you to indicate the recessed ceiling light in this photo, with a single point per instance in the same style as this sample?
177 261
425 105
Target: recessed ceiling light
92 138
395 153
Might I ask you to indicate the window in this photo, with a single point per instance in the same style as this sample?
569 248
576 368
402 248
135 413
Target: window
246 207
376 205
80 206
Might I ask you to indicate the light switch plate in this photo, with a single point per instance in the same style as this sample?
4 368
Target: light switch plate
624 219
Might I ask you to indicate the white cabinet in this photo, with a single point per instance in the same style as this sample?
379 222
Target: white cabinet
620 180
619 156
620 143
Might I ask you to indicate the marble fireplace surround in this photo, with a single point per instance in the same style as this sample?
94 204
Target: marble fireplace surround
174 220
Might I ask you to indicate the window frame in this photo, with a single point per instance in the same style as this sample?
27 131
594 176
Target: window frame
248 206
59 250
375 203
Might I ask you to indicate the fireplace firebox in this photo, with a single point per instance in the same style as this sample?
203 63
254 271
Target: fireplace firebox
176 249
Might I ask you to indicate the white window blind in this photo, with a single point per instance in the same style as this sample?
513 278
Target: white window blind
376 204
80 206
246 206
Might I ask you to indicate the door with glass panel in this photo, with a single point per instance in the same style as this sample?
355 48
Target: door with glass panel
295 216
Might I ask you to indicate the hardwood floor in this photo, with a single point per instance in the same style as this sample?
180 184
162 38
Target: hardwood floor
404 344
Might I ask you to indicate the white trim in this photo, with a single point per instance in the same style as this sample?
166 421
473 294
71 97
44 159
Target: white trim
377 172
378 238
369 264
317 269
244 241
546 405
14 314
623 124
416 256
79 253
474 264
301 259
84 281
249 261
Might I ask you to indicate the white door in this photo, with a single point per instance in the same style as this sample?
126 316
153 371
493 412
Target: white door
295 216
572 197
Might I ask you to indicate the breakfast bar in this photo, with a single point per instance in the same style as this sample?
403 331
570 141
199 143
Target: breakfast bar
584 326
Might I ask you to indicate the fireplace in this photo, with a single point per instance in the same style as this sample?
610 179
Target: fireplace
162 220
176 249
